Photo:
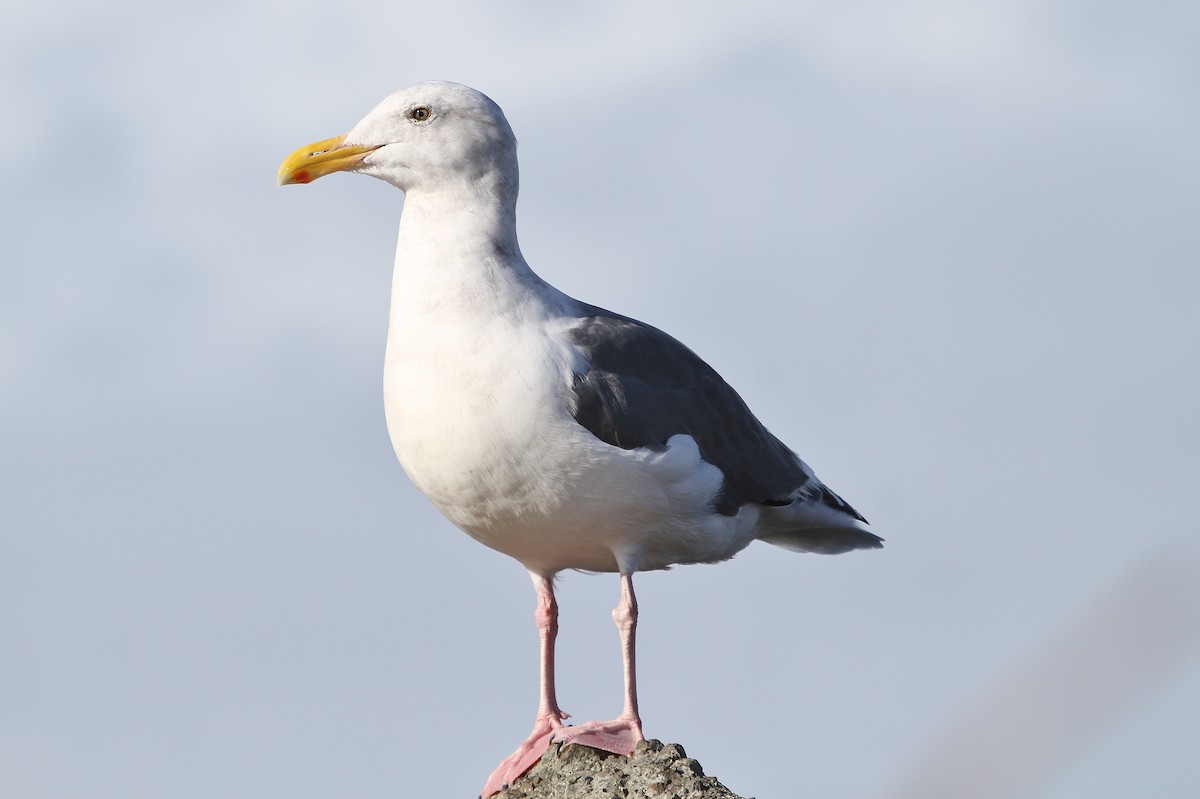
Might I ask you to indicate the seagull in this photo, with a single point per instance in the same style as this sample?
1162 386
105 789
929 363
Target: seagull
553 431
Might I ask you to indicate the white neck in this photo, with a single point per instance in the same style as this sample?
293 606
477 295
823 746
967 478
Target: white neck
459 220
457 253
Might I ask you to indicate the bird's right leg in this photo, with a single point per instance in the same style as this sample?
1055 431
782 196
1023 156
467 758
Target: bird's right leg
621 735
549 716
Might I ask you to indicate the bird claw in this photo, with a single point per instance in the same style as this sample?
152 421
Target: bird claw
619 736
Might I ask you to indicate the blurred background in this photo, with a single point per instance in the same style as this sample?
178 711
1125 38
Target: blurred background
946 250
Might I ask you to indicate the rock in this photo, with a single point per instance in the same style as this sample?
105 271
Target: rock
654 771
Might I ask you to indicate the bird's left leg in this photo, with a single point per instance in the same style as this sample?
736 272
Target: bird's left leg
622 734
549 716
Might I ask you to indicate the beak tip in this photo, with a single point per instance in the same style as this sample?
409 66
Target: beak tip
289 179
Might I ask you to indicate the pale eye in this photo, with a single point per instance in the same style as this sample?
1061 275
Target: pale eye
420 113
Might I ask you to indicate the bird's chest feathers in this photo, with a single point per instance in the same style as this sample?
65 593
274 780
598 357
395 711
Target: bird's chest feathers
470 391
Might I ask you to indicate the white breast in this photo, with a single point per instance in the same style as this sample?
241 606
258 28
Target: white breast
467 407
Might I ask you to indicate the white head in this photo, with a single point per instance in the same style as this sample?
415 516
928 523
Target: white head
430 136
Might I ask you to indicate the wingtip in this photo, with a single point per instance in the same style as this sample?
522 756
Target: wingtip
826 540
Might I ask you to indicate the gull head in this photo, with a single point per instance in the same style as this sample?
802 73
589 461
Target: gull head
430 135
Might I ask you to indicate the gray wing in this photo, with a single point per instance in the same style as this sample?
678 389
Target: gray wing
642 387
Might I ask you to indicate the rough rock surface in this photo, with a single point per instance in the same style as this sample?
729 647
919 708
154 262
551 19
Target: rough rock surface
654 771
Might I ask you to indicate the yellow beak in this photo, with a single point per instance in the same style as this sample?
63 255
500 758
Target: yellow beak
316 160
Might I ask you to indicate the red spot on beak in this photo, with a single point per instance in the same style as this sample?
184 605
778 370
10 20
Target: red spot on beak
301 177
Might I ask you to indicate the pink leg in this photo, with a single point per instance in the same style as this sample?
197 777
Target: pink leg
549 716
622 734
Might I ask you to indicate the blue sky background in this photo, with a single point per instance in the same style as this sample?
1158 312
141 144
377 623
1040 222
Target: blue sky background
946 250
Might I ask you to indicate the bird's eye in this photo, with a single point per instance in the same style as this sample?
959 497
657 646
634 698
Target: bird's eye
420 113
